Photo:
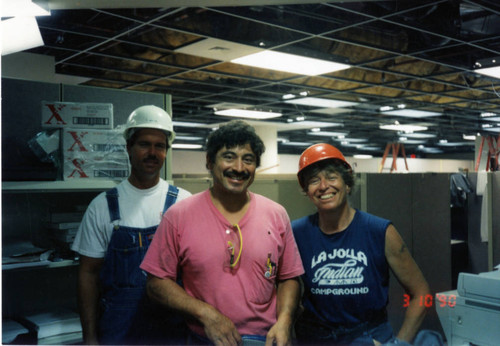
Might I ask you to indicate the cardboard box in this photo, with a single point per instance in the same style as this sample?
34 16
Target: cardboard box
92 141
77 115
94 154
88 166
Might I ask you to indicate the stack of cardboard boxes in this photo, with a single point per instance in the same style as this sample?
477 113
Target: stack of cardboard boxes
91 148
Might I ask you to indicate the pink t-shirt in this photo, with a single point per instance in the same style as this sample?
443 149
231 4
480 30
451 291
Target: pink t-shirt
194 237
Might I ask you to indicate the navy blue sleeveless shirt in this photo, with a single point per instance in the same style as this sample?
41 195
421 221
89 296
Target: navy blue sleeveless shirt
346 274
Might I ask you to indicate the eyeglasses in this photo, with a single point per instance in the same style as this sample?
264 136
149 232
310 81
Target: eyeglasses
231 245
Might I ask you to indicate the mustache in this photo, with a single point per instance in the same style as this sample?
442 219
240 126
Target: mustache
150 158
233 174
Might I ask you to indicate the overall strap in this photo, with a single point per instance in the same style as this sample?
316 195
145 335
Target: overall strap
114 210
172 193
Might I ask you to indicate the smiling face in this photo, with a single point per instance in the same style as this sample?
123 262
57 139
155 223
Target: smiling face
327 189
234 168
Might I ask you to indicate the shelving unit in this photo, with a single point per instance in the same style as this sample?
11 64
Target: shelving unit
57 186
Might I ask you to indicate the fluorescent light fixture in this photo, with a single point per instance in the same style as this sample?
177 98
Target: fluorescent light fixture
492 119
363 156
327 133
469 137
188 138
386 108
403 128
186 146
25 8
420 135
320 102
430 150
371 148
297 144
354 140
412 113
20 33
284 62
454 144
413 141
490 71
188 124
488 114
288 96
245 113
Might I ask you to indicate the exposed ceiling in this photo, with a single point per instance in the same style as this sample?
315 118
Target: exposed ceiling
418 53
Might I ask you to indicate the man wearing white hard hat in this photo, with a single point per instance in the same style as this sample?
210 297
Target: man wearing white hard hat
114 236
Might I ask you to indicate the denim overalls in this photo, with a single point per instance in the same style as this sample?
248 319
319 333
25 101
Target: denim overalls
127 316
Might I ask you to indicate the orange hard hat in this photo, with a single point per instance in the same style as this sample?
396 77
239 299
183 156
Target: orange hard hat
318 152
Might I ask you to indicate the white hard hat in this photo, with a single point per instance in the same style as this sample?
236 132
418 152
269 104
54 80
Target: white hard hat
151 117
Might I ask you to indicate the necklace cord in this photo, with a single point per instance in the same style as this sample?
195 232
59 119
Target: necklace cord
233 264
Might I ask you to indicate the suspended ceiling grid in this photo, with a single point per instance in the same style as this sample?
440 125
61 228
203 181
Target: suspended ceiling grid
418 53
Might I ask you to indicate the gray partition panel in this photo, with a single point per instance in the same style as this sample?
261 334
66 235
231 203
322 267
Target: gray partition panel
390 196
432 235
478 250
295 202
495 207
124 101
22 121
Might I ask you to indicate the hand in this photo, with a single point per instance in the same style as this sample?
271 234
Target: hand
221 330
279 335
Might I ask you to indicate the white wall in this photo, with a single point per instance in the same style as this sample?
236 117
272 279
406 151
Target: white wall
193 162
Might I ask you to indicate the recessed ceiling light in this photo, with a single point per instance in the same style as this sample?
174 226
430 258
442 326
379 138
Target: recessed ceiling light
414 141
430 150
186 146
403 128
420 135
454 144
386 108
488 114
327 133
188 138
490 71
492 119
412 113
297 144
320 102
245 113
188 124
285 62
354 140
363 156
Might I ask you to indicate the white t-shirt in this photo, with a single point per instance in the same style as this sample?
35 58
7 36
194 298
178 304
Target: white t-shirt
139 208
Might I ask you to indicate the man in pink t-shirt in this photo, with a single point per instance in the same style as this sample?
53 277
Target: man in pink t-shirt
234 249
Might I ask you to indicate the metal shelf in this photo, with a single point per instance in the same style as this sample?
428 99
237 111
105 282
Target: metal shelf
58 186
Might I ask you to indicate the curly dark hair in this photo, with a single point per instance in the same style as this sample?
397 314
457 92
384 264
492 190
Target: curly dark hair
329 165
232 134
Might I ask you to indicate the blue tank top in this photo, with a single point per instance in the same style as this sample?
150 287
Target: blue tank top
346 274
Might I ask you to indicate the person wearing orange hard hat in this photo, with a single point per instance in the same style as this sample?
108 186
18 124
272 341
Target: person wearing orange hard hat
347 254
